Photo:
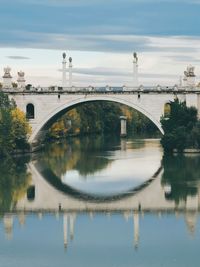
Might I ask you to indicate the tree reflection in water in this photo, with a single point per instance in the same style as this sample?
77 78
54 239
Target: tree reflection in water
182 174
14 181
87 155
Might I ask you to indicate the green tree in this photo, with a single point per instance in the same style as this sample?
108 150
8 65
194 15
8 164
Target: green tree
182 174
6 131
194 137
177 126
14 181
99 117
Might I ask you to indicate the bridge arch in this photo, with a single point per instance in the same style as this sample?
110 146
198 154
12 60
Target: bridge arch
57 112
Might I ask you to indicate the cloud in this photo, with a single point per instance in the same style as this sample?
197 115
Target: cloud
102 43
107 72
185 58
18 57
165 33
94 17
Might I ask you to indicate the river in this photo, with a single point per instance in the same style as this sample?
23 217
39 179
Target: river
100 201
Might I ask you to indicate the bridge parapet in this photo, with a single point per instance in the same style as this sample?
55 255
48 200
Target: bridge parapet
106 89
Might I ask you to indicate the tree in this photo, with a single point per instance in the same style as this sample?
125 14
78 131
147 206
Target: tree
5 102
14 181
178 126
21 128
182 174
99 117
194 137
14 129
6 133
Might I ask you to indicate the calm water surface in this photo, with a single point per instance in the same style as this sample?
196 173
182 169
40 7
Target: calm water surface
100 201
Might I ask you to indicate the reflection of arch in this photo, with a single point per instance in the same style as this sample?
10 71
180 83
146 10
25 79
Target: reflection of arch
167 109
55 181
30 111
56 113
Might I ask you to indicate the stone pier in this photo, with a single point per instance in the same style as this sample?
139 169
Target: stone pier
123 120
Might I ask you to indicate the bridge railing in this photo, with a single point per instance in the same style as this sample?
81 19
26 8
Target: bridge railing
105 89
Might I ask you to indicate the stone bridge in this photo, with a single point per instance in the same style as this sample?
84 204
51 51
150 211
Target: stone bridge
44 106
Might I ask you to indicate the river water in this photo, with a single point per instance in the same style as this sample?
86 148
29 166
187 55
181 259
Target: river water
100 201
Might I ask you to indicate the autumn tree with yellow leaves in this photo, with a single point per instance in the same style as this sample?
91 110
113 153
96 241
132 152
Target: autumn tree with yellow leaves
21 128
100 117
14 128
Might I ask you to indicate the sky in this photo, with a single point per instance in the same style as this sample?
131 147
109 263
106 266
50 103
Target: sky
100 36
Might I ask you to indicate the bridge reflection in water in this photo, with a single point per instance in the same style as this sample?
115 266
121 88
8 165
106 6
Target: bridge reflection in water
69 221
172 189
153 196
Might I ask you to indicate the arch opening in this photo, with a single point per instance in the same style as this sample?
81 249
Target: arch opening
30 111
58 112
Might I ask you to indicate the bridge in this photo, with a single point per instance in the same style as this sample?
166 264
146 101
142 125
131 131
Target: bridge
43 106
